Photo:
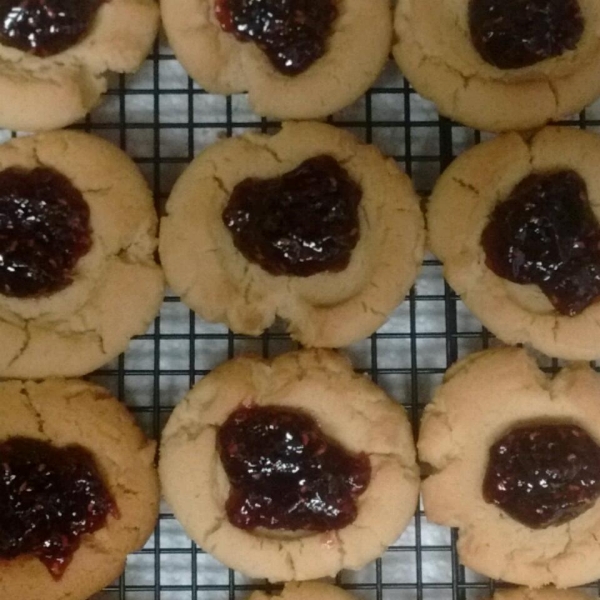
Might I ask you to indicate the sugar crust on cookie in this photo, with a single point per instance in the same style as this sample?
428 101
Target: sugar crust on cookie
67 412
203 266
117 287
348 407
434 51
358 50
481 398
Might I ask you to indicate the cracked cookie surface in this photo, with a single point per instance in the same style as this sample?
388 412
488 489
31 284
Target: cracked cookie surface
348 408
328 309
117 287
435 51
72 412
40 93
356 52
483 397
465 197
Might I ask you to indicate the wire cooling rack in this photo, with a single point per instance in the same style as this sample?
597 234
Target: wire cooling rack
162 120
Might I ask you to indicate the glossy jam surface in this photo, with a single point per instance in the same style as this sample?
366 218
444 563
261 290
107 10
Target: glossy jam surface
46 27
545 233
303 223
285 474
292 33
49 498
543 475
512 34
44 231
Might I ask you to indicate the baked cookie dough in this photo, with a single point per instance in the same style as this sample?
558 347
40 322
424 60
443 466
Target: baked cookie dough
463 203
331 309
111 288
348 408
484 397
547 593
436 52
311 590
66 413
355 53
40 92
52 91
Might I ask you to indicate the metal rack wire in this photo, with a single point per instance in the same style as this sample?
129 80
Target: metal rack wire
163 120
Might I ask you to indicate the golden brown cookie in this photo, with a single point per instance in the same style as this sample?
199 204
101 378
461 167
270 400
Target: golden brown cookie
331 309
310 590
435 50
461 206
347 407
483 398
354 55
48 91
115 288
74 412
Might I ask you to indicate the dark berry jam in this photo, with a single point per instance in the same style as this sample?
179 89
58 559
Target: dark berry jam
546 234
46 27
292 33
543 475
44 231
512 34
49 498
303 223
285 474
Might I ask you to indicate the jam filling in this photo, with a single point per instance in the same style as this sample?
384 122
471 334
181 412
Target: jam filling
292 33
543 475
286 474
512 34
49 498
546 234
46 27
303 223
44 231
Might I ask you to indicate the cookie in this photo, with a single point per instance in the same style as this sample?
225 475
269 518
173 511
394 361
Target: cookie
509 450
548 593
326 418
244 252
311 590
55 58
55 416
326 56
529 274
78 277
501 66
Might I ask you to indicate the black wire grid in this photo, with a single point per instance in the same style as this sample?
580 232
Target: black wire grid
162 120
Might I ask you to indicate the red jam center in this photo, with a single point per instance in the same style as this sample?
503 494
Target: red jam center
543 475
300 224
546 234
46 27
292 33
512 34
49 498
44 231
286 474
